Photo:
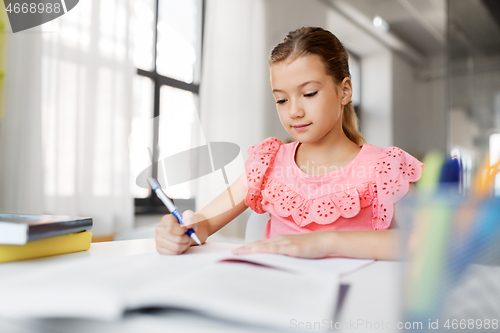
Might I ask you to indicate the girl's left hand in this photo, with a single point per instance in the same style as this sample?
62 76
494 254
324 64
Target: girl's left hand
311 245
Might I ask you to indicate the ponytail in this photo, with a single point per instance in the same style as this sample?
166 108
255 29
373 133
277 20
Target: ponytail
350 125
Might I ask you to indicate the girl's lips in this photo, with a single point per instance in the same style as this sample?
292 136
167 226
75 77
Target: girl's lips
301 127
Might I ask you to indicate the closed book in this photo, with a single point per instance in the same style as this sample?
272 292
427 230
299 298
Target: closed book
19 229
46 247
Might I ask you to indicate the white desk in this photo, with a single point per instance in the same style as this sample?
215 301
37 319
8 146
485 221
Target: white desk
371 298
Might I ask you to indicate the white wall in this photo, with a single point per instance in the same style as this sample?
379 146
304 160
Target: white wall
419 109
406 94
377 98
432 120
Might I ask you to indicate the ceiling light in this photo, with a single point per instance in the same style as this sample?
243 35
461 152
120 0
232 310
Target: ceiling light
380 23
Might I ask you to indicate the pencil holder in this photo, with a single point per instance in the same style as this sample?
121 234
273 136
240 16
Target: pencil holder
452 254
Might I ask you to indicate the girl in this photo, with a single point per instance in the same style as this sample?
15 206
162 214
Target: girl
328 193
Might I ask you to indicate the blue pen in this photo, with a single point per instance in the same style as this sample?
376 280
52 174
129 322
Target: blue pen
155 185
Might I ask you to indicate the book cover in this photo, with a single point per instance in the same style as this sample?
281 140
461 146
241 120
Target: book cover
19 229
46 247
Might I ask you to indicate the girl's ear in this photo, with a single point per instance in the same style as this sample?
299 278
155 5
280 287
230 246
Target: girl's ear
346 88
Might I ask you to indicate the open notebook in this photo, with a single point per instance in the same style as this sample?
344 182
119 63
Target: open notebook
272 290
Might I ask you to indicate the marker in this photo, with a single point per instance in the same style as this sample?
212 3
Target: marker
155 185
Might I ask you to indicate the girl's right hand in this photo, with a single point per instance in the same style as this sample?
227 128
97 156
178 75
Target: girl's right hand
171 237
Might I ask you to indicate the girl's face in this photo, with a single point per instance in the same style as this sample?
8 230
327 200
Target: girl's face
309 102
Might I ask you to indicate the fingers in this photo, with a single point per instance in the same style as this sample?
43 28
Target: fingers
171 237
172 244
188 217
258 247
170 225
277 245
308 245
172 248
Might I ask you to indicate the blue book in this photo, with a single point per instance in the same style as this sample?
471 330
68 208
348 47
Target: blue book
19 229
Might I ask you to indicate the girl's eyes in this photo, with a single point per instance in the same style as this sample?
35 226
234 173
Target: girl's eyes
310 94
283 101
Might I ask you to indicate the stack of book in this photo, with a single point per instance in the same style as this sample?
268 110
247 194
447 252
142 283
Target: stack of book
33 236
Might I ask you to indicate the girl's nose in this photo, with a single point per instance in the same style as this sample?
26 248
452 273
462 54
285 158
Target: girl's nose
296 111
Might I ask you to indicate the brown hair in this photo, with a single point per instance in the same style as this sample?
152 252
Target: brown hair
312 40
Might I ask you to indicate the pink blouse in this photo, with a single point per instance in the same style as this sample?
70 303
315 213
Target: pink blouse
359 196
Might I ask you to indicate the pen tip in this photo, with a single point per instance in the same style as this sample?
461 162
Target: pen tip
196 239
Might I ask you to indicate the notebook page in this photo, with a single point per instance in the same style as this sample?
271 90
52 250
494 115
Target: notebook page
92 287
102 288
329 266
247 294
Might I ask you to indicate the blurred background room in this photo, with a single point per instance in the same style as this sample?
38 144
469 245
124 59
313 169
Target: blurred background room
92 100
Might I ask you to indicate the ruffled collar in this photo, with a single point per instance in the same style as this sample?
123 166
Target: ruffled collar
393 171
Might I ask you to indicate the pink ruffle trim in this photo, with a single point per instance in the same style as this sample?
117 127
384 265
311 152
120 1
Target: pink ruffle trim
395 170
261 157
324 210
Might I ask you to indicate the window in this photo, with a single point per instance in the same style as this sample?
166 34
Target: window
167 54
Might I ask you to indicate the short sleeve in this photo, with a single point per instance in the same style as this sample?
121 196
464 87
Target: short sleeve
394 172
261 158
